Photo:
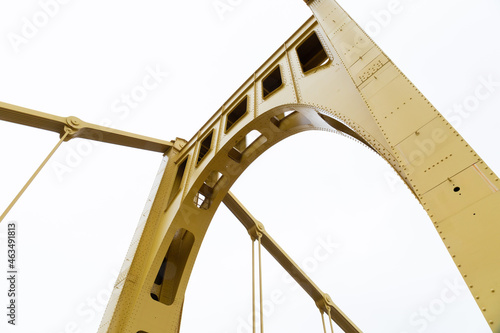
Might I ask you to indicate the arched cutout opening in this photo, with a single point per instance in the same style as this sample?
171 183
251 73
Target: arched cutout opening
275 125
325 247
169 276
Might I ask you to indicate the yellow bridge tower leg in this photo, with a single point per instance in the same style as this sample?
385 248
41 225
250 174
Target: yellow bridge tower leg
455 187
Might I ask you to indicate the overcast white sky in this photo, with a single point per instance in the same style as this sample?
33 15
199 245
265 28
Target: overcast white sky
379 256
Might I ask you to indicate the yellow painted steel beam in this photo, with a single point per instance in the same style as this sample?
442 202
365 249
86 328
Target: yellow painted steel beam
94 132
79 129
322 300
28 117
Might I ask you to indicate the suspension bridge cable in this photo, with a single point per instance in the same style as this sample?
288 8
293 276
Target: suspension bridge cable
323 320
253 285
260 285
33 176
330 318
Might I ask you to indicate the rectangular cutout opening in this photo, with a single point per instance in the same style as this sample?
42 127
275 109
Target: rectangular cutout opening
213 178
201 201
290 119
278 118
272 82
311 53
171 270
237 113
242 146
178 180
203 198
205 146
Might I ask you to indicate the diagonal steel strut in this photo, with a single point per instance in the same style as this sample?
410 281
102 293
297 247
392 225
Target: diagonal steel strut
322 300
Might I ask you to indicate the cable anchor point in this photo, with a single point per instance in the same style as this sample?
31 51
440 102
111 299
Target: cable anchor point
256 231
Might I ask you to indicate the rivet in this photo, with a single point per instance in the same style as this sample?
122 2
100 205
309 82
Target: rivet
492 290
459 265
465 275
484 309
477 297
471 286
491 322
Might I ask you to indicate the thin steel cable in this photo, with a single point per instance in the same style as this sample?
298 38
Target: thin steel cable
33 177
330 317
323 320
253 285
260 287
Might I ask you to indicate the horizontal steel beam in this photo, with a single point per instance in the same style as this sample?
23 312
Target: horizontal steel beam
79 129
